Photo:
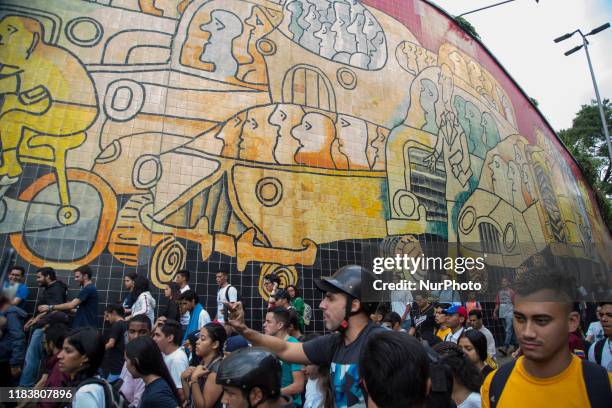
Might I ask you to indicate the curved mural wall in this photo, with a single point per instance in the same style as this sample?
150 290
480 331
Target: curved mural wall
270 136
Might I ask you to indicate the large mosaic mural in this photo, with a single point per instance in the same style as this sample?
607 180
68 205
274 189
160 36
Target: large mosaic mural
148 133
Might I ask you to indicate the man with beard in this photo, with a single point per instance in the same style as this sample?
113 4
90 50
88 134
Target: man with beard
346 316
54 293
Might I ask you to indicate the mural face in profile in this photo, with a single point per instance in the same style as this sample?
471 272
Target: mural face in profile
264 134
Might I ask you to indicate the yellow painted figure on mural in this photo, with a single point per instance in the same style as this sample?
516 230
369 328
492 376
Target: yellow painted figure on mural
46 91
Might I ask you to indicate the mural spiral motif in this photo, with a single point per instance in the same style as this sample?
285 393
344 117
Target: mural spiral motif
168 258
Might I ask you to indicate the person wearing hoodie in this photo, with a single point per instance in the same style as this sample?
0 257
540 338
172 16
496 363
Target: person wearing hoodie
54 293
144 303
12 343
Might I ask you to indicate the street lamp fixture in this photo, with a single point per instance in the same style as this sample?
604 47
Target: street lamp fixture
585 45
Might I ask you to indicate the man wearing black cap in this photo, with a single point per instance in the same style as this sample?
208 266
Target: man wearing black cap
343 313
251 377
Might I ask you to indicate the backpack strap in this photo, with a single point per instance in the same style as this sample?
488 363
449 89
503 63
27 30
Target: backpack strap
227 293
498 382
597 384
108 393
599 346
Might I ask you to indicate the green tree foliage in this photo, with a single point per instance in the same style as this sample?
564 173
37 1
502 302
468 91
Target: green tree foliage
587 143
463 23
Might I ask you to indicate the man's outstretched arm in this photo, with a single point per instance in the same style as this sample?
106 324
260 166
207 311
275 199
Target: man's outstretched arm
289 352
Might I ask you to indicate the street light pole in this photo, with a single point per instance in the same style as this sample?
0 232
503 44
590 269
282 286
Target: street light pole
488 7
601 107
585 44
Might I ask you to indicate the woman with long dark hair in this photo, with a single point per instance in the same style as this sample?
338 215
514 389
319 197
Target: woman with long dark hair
144 360
466 377
80 358
144 302
474 345
172 291
201 381
128 283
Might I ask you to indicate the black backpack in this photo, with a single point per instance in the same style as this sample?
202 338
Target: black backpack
595 379
113 398
227 294
599 346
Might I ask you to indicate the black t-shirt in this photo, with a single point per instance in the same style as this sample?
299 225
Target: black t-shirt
54 294
172 311
114 358
158 394
425 323
344 363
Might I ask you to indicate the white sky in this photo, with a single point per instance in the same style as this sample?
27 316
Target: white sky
520 35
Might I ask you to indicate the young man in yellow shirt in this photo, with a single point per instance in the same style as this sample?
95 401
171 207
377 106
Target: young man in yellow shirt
442 331
548 374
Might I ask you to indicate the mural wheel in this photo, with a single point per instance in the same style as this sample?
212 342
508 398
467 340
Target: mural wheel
168 258
46 241
288 276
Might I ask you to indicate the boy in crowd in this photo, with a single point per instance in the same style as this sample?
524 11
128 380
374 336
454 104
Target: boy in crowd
168 338
226 293
547 374
442 330
132 388
475 319
395 371
282 299
14 288
198 317
595 331
504 309
600 352
455 320
182 278
423 320
115 343
292 382
393 321
251 377
271 283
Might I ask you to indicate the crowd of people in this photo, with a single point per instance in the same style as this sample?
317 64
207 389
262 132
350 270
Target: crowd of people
423 354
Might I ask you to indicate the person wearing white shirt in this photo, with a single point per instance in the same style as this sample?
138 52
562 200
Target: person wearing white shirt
226 293
475 321
168 338
400 304
595 331
604 356
182 278
144 303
